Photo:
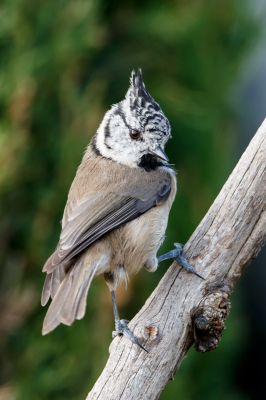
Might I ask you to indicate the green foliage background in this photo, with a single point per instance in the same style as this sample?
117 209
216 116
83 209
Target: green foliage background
62 64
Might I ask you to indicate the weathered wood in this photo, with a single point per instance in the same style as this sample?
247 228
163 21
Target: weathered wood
183 309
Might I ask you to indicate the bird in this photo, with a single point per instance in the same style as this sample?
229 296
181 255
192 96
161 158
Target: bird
117 210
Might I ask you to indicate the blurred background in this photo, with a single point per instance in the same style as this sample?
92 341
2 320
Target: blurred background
62 64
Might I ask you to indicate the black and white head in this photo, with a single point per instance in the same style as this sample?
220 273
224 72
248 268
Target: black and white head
135 131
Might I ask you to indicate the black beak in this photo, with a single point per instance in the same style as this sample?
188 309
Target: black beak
160 153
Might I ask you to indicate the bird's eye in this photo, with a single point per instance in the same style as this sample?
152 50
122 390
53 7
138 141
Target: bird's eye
134 134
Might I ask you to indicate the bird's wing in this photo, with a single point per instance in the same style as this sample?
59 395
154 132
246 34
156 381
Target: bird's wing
99 213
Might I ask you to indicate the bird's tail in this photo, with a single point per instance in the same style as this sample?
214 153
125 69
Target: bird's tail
69 293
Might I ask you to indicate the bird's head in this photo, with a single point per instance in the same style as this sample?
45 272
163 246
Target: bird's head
135 131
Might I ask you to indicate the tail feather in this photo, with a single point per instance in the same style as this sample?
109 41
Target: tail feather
81 280
81 307
52 283
82 300
69 295
51 321
54 262
52 325
58 276
46 289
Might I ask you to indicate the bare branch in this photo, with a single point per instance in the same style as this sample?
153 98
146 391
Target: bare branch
183 309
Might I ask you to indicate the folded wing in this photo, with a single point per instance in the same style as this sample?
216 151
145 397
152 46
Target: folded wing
94 216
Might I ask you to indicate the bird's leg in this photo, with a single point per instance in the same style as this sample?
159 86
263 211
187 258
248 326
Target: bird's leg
121 325
177 255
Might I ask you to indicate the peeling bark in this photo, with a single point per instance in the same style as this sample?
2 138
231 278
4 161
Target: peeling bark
183 309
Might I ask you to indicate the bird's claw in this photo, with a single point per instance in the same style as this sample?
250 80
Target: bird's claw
176 254
122 329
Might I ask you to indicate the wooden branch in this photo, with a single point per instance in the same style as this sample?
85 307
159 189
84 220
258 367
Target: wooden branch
183 309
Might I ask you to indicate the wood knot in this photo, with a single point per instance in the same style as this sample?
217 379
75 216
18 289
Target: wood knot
150 332
201 322
208 320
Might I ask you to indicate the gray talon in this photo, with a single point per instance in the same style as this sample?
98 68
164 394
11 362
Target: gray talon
177 255
121 326
122 329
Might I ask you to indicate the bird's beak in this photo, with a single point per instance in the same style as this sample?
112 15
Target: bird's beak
160 153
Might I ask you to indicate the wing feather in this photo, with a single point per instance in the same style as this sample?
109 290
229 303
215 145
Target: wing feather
99 213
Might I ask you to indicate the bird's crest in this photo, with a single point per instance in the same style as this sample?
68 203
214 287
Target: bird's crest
138 94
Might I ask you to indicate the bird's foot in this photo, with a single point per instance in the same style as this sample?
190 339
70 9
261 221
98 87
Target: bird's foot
176 254
122 329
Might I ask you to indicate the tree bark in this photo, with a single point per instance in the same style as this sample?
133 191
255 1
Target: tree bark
183 309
